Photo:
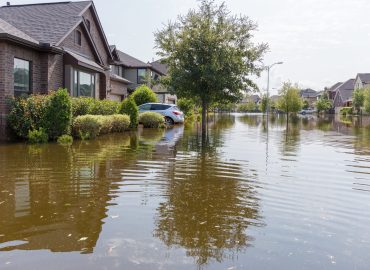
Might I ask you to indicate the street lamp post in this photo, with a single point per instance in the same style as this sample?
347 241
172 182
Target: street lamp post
268 85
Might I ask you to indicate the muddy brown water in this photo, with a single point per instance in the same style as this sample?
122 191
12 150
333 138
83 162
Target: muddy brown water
253 196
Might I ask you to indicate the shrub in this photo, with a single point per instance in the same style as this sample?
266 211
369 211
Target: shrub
37 136
143 94
106 123
120 122
151 119
186 105
128 106
58 114
27 113
367 99
65 139
81 105
86 127
104 107
346 111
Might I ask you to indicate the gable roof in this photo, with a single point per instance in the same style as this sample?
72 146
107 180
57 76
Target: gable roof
307 93
130 61
159 67
364 77
8 29
46 23
345 90
335 86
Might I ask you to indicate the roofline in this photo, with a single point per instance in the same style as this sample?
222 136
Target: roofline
69 32
158 71
45 47
38 4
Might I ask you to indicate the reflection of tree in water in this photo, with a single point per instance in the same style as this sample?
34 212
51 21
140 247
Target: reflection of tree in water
209 202
291 136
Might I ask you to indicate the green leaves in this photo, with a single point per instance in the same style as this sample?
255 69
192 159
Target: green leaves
290 100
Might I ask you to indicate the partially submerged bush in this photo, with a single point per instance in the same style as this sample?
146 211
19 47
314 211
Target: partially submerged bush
143 94
151 119
105 123
65 139
186 105
346 111
58 115
37 136
120 122
129 107
86 127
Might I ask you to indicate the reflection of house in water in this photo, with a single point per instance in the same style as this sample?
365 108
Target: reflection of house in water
52 198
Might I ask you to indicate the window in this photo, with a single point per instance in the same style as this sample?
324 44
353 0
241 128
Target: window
83 84
88 24
117 70
159 107
22 78
144 107
141 76
78 38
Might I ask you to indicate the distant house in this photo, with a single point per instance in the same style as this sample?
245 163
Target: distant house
309 95
254 98
343 94
160 69
332 91
362 80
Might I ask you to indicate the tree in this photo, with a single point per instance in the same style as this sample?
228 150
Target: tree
367 99
186 105
323 105
358 99
306 105
290 100
264 103
143 94
210 55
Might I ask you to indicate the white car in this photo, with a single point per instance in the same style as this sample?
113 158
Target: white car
171 112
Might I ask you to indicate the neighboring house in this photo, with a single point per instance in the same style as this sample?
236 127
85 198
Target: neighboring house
255 98
343 96
309 95
332 90
362 80
47 46
159 69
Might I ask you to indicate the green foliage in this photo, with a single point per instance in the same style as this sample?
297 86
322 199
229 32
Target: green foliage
306 105
81 105
143 94
346 111
86 105
225 106
37 136
186 105
129 107
208 51
290 100
250 106
264 103
27 113
106 124
65 139
120 122
323 104
367 99
58 115
358 99
86 126
151 119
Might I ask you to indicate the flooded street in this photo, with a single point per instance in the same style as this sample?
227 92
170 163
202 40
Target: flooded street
254 196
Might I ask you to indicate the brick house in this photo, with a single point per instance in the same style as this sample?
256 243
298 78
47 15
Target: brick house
47 46
309 95
137 72
343 95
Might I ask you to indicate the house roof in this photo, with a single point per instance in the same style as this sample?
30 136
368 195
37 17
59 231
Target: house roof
364 77
46 23
130 61
115 77
345 90
83 61
335 86
7 28
159 67
307 93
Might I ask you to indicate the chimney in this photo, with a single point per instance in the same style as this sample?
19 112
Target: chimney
8 3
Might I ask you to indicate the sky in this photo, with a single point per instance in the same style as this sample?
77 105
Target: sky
320 42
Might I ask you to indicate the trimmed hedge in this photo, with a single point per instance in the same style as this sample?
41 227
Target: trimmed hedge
120 122
151 119
143 94
129 107
87 105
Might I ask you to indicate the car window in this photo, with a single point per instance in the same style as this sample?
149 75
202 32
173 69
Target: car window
144 107
176 108
159 107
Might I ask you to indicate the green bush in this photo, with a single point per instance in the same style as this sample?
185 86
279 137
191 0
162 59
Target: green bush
81 105
65 139
151 119
58 115
37 136
86 126
143 94
104 107
346 111
128 106
186 105
106 123
27 113
120 122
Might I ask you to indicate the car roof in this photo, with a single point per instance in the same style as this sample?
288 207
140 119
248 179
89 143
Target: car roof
172 105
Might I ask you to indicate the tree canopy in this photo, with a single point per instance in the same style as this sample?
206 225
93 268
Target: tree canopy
290 100
210 55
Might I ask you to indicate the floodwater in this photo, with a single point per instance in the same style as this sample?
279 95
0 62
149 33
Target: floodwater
252 196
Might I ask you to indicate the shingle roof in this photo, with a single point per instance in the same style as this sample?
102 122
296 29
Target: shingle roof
335 86
346 89
307 93
46 23
364 77
130 61
160 67
119 78
7 28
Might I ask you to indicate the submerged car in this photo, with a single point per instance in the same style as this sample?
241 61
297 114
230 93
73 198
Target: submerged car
307 111
171 112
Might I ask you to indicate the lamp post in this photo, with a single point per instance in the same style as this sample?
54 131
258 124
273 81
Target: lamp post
268 85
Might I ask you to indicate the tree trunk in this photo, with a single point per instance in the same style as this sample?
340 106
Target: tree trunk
204 119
